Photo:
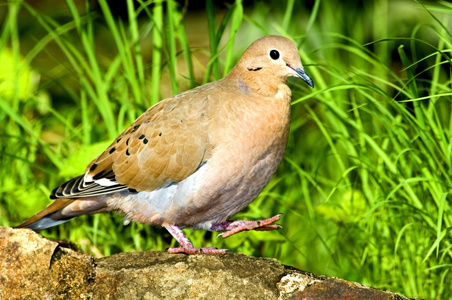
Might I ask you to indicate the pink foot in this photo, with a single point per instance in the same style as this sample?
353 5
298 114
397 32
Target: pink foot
233 227
193 250
187 246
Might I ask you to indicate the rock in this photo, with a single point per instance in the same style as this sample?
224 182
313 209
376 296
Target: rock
33 267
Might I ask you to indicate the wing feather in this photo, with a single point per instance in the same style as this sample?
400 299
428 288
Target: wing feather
166 144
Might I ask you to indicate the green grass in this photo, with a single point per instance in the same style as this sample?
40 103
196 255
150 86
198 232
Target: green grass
366 181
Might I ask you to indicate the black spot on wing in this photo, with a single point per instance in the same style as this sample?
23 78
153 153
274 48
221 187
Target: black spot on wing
135 128
103 174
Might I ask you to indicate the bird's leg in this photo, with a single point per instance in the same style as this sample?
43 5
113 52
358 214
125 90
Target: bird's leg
233 227
187 246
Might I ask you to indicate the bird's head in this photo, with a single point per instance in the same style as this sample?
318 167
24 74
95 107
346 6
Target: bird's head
273 58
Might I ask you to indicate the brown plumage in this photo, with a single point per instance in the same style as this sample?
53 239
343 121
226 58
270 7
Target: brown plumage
197 158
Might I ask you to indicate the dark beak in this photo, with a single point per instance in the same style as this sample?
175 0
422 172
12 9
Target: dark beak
302 74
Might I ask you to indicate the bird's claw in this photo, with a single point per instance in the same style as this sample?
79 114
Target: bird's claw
193 250
233 227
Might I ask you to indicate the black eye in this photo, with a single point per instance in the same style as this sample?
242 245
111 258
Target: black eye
274 54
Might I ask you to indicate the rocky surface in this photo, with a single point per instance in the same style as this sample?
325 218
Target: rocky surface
33 267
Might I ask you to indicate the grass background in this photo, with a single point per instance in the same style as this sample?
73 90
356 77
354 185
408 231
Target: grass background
365 185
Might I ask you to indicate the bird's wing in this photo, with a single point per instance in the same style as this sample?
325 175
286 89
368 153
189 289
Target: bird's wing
164 145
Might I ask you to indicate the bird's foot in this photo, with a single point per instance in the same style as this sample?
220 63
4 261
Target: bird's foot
233 227
187 246
193 250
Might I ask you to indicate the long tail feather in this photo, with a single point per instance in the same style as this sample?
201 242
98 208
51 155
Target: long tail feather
62 210
35 222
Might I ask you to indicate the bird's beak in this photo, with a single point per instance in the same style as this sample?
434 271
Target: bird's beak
299 72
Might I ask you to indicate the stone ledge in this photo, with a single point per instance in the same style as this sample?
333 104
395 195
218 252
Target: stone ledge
34 267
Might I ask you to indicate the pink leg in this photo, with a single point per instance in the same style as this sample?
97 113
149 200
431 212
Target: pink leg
233 227
187 246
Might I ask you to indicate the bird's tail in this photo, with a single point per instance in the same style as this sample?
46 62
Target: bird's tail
62 210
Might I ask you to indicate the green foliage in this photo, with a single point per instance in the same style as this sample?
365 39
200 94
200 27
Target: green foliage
365 186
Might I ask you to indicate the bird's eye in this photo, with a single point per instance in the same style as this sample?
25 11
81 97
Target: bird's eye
274 54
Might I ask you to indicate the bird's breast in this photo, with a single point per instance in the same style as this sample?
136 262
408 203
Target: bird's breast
248 145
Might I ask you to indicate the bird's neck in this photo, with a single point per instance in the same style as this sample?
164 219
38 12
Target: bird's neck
253 82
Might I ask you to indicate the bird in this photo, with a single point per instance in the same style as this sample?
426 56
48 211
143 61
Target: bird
195 159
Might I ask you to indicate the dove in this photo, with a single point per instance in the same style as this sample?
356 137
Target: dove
196 159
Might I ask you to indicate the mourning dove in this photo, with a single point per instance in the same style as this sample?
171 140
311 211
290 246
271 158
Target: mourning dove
195 159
